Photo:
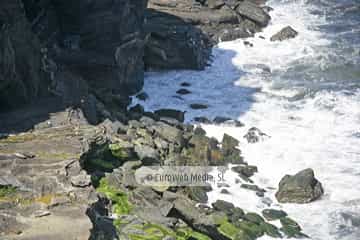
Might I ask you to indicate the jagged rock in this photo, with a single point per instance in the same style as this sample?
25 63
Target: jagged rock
285 33
302 187
253 12
228 144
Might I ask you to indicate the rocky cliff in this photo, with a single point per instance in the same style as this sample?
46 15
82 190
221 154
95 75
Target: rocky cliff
77 50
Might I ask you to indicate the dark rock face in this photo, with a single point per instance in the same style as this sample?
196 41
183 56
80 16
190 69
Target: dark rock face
21 76
100 45
285 33
174 44
302 187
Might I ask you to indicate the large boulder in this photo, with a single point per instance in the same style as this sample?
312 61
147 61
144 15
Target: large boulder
302 187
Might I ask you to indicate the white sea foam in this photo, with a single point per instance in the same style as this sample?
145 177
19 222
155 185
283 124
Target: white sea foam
319 130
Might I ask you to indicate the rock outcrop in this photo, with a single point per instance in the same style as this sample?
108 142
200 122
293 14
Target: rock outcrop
302 187
221 20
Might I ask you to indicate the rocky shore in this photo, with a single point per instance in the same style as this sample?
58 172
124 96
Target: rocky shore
69 145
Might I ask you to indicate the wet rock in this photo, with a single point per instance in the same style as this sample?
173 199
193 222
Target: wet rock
224 191
223 206
171 113
142 96
271 230
291 228
254 218
302 187
247 43
183 91
197 106
273 214
227 122
284 34
202 120
185 84
255 135
253 188
245 170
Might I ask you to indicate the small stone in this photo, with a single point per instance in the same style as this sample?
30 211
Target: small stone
224 191
223 185
252 188
185 84
183 91
197 106
40 213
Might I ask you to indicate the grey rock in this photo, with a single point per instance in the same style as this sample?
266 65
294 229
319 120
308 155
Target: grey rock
302 187
147 154
253 12
255 135
284 34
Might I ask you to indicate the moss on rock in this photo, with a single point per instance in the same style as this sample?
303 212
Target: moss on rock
119 199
